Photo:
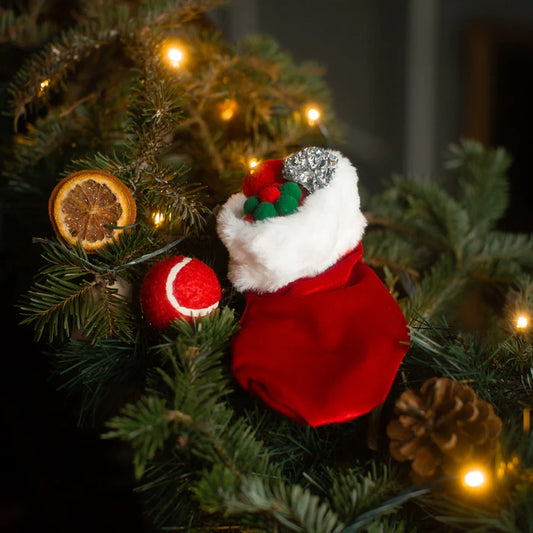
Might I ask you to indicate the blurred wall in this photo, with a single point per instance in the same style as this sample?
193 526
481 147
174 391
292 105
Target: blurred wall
401 71
360 43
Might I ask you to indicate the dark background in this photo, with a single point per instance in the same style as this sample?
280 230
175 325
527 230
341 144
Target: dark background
58 476
54 474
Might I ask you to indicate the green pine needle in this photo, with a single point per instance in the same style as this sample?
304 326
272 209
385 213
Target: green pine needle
145 425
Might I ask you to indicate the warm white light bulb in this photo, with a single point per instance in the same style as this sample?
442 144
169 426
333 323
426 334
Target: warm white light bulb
175 56
313 114
474 478
158 218
44 85
253 163
521 322
228 110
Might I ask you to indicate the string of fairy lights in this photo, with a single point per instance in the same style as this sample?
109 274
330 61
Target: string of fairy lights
521 322
478 478
175 57
474 478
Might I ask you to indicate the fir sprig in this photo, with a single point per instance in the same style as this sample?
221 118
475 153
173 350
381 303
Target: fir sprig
100 374
26 28
454 238
193 387
357 491
72 294
59 305
145 425
293 507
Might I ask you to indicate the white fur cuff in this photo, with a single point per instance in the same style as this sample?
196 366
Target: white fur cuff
268 254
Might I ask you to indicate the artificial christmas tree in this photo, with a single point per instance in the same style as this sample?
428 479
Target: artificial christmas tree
151 94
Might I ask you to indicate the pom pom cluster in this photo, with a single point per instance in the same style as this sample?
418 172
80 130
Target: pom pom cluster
268 194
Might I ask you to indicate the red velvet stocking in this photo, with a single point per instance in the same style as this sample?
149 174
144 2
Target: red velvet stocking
323 349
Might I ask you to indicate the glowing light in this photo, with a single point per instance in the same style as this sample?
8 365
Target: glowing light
521 322
253 163
158 218
313 114
174 55
474 479
509 468
44 85
228 110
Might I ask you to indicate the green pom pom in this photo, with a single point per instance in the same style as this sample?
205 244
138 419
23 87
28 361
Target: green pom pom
291 189
286 204
250 204
264 210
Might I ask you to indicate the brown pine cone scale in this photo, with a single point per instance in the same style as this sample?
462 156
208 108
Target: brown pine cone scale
443 427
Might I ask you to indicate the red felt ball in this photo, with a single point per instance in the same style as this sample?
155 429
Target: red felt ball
179 287
265 174
269 194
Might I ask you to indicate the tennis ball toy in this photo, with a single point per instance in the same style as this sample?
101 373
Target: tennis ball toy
179 287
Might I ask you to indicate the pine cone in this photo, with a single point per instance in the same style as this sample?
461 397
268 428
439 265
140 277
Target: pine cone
444 427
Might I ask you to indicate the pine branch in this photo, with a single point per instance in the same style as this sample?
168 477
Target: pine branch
355 492
154 112
161 12
59 255
467 514
438 290
384 249
459 357
506 249
450 243
179 203
300 451
25 29
72 294
49 68
293 507
195 379
59 306
134 245
194 385
482 180
211 334
52 65
369 518
166 490
49 135
145 425
98 371
434 214
110 317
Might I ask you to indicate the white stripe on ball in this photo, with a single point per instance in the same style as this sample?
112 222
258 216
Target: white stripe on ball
173 300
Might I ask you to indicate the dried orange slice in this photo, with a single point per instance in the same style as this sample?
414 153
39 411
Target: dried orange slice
87 205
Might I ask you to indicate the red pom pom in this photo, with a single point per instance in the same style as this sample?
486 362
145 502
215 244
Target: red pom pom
179 287
265 174
269 194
